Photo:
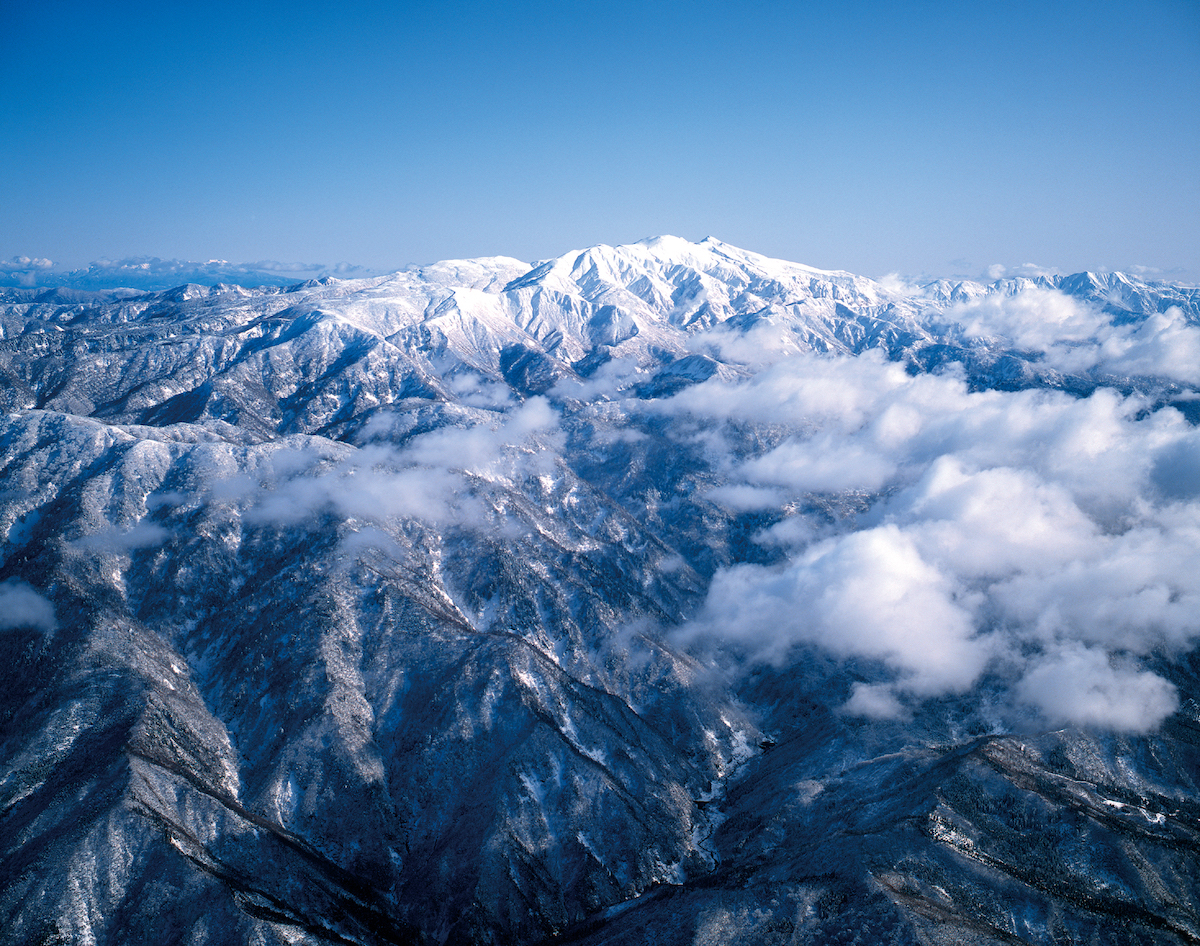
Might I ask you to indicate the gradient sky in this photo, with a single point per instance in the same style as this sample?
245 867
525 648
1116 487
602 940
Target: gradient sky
924 138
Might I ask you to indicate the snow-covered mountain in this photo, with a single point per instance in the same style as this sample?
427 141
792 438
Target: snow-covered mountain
655 593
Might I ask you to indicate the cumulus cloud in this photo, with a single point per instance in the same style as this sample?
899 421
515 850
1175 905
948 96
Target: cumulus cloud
21 606
476 390
1076 337
1033 270
611 380
819 393
899 284
346 270
1034 319
1175 472
823 464
1080 686
866 594
153 266
767 341
151 272
25 271
24 264
1030 533
1164 344
275 266
341 270
874 701
745 497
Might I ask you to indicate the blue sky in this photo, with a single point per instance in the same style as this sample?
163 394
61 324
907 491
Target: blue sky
924 138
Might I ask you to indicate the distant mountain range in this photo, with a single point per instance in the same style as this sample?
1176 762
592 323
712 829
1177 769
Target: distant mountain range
661 593
149 273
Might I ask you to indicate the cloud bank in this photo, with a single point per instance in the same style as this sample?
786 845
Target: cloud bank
1050 541
1075 337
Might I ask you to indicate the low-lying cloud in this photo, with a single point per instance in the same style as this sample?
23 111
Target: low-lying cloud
1049 540
117 540
1076 337
428 478
21 606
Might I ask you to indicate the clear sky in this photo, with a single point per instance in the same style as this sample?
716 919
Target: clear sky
918 137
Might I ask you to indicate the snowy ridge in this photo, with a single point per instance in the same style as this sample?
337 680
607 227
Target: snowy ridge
662 592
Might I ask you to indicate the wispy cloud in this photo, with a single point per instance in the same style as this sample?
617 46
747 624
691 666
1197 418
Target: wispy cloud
1029 270
428 478
117 540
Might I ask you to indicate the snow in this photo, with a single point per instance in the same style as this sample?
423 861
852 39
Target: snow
333 620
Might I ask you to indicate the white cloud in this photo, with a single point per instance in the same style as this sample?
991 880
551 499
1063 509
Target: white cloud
990 523
154 266
475 390
428 479
898 284
340 270
1033 270
1034 319
801 390
21 606
1164 344
1135 592
1175 472
1010 530
1079 686
274 266
150 272
766 342
25 263
610 380
141 535
1076 337
744 497
24 270
874 701
822 464
863 594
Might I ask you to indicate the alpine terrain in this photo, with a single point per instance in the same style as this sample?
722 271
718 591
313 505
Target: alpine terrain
662 593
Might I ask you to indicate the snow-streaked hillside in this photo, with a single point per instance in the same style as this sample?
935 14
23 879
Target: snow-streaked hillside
655 593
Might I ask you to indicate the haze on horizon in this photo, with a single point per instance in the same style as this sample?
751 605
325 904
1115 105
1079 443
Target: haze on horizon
927 139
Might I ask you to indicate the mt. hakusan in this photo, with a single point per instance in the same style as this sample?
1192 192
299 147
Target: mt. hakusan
661 593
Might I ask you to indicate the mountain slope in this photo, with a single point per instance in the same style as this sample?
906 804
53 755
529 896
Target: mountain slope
655 593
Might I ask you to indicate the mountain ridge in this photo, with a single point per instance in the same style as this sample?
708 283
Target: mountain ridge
654 593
